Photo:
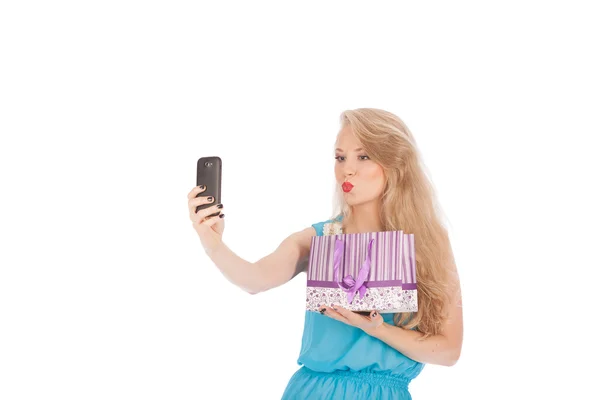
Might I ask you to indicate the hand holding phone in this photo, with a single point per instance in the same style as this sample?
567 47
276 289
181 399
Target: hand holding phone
206 214
208 173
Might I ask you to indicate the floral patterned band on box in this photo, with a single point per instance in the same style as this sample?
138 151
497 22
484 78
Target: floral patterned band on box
378 267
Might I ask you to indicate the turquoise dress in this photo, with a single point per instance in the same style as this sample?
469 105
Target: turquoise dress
340 361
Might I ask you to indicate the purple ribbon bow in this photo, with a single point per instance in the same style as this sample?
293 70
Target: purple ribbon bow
350 285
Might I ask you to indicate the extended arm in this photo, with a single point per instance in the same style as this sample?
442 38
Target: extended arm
277 268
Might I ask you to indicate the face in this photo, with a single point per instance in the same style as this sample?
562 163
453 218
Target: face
355 166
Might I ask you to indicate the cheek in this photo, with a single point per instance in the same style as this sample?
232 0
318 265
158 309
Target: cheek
338 172
376 178
375 174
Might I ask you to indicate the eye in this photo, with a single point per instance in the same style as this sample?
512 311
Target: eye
338 158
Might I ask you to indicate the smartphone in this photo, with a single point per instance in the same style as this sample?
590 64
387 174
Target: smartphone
208 173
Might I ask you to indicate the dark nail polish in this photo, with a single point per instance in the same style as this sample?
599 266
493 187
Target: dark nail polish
210 198
222 216
201 187
322 311
220 206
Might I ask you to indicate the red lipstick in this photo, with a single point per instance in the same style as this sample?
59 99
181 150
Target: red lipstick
347 187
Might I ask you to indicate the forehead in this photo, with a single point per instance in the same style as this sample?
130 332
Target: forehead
346 140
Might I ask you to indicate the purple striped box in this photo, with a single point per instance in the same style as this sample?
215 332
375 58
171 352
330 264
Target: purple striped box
363 272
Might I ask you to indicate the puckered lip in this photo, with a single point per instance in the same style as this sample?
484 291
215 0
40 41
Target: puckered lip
347 186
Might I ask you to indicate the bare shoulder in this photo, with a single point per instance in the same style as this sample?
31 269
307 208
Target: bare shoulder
303 238
288 260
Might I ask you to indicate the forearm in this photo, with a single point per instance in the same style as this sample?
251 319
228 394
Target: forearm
238 271
433 350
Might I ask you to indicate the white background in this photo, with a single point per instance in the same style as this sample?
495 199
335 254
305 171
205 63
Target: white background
105 290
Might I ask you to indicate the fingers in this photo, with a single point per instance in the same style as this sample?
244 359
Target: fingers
210 221
207 213
349 315
330 312
356 317
194 202
366 323
199 200
195 191
376 319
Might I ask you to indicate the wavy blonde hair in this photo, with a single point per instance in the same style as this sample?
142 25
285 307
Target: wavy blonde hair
408 203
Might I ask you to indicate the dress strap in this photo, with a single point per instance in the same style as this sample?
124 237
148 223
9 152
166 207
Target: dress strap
320 225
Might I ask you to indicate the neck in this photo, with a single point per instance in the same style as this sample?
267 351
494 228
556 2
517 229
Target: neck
364 218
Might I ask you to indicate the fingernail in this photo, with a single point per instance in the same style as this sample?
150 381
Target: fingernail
222 216
322 311
220 206
375 313
201 187
210 198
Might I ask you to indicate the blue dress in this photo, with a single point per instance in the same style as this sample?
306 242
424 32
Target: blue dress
340 361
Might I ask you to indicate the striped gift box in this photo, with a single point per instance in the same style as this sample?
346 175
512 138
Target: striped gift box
363 272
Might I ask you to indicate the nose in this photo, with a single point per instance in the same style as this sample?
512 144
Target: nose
349 169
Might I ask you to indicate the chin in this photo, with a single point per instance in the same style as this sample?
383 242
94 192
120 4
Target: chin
352 201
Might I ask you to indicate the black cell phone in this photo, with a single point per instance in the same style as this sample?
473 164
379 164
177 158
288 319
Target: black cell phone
208 173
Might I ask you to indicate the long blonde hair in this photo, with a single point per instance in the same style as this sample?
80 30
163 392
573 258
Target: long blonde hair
409 204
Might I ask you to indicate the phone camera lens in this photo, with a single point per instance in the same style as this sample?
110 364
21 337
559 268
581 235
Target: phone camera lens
208 164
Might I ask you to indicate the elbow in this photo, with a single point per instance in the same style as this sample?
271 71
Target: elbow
257 290
251 290
452 360
254 290
451 363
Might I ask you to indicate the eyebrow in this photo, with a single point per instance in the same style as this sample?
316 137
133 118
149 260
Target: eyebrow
359 149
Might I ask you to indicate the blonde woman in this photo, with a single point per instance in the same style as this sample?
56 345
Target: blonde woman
381 187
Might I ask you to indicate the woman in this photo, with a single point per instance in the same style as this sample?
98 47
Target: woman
347 355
